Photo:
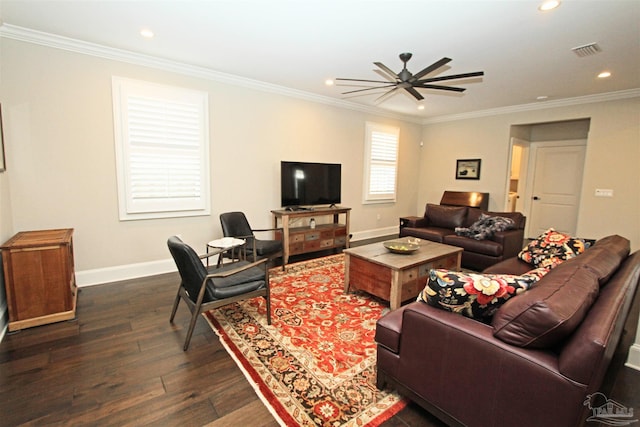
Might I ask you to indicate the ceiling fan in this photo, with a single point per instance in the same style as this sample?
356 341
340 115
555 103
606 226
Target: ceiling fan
408 81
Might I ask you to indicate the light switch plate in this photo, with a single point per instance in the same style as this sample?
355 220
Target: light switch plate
601 192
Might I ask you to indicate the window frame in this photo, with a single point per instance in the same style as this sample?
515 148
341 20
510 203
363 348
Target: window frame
194 148
369 162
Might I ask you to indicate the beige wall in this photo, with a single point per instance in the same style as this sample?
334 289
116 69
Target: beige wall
613 155
60 147
61 170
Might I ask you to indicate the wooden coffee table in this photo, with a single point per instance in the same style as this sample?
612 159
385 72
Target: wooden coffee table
396 277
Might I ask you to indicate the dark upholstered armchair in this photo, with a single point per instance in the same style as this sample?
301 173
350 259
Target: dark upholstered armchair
235 224
205 289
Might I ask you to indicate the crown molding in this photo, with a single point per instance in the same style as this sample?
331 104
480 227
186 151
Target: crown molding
78 46
587 99
86 48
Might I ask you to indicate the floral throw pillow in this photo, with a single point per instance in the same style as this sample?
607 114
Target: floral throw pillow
551 248
474 295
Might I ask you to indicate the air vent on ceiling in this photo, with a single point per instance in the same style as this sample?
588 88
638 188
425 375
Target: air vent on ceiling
587 50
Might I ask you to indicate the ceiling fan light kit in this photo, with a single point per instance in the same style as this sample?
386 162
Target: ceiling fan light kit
408 81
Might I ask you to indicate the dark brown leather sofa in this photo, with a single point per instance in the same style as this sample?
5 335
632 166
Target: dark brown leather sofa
544 352
462 209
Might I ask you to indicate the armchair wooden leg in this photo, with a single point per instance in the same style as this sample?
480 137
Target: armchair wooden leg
175 307
268 309
192 325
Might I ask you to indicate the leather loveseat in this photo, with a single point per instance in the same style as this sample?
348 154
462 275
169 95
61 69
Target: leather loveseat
535 363
439 224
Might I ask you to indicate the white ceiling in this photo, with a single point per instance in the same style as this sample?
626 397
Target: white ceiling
298 44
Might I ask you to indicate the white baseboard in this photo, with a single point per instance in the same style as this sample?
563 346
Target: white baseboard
633 361
124 272
133 271
375 233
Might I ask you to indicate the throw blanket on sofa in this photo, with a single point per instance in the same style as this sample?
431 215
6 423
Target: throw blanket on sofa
485 227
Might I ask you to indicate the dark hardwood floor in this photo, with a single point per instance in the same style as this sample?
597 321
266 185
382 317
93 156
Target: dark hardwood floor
120 362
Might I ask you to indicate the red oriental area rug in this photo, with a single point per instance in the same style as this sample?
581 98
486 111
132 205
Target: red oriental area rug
315 363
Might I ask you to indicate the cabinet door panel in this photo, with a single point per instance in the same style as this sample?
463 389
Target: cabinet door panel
40 283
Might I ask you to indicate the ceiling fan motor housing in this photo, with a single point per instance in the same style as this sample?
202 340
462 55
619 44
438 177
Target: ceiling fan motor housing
405 75
404 57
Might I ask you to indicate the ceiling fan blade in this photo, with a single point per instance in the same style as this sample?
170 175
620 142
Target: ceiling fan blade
452 77
385 76
360 80
451 88
387 70
365 89
385 95
414 92
431 68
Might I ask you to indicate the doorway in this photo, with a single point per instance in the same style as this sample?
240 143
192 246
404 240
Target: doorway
546 173
517 174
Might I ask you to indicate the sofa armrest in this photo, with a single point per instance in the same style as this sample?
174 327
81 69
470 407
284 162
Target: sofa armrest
512 242
431 330
413 221
446 358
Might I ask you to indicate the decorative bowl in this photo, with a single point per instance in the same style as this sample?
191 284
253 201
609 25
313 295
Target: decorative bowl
400 247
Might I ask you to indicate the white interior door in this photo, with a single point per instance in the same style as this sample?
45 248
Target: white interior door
557 182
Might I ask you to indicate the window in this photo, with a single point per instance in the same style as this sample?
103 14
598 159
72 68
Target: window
162 150
381 163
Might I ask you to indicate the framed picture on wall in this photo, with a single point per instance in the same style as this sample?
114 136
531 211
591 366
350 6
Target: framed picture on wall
468 169
3 166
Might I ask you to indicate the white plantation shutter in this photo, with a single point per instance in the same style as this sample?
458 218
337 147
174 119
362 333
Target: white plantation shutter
162 150
381 157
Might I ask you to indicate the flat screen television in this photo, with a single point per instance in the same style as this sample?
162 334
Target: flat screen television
304 184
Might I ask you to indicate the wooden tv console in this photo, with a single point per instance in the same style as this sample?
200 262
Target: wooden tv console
304 239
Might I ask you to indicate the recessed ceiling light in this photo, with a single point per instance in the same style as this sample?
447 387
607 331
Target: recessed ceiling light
549 5
146 33
604 75
421 107
328 82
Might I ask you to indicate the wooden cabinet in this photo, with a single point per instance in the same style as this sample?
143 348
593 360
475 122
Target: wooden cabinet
304 239
39 278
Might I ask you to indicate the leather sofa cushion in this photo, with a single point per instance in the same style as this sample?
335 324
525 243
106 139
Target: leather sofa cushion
551 310
446 216
601 262
604 258
435 234
486 247
512 265
616 244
